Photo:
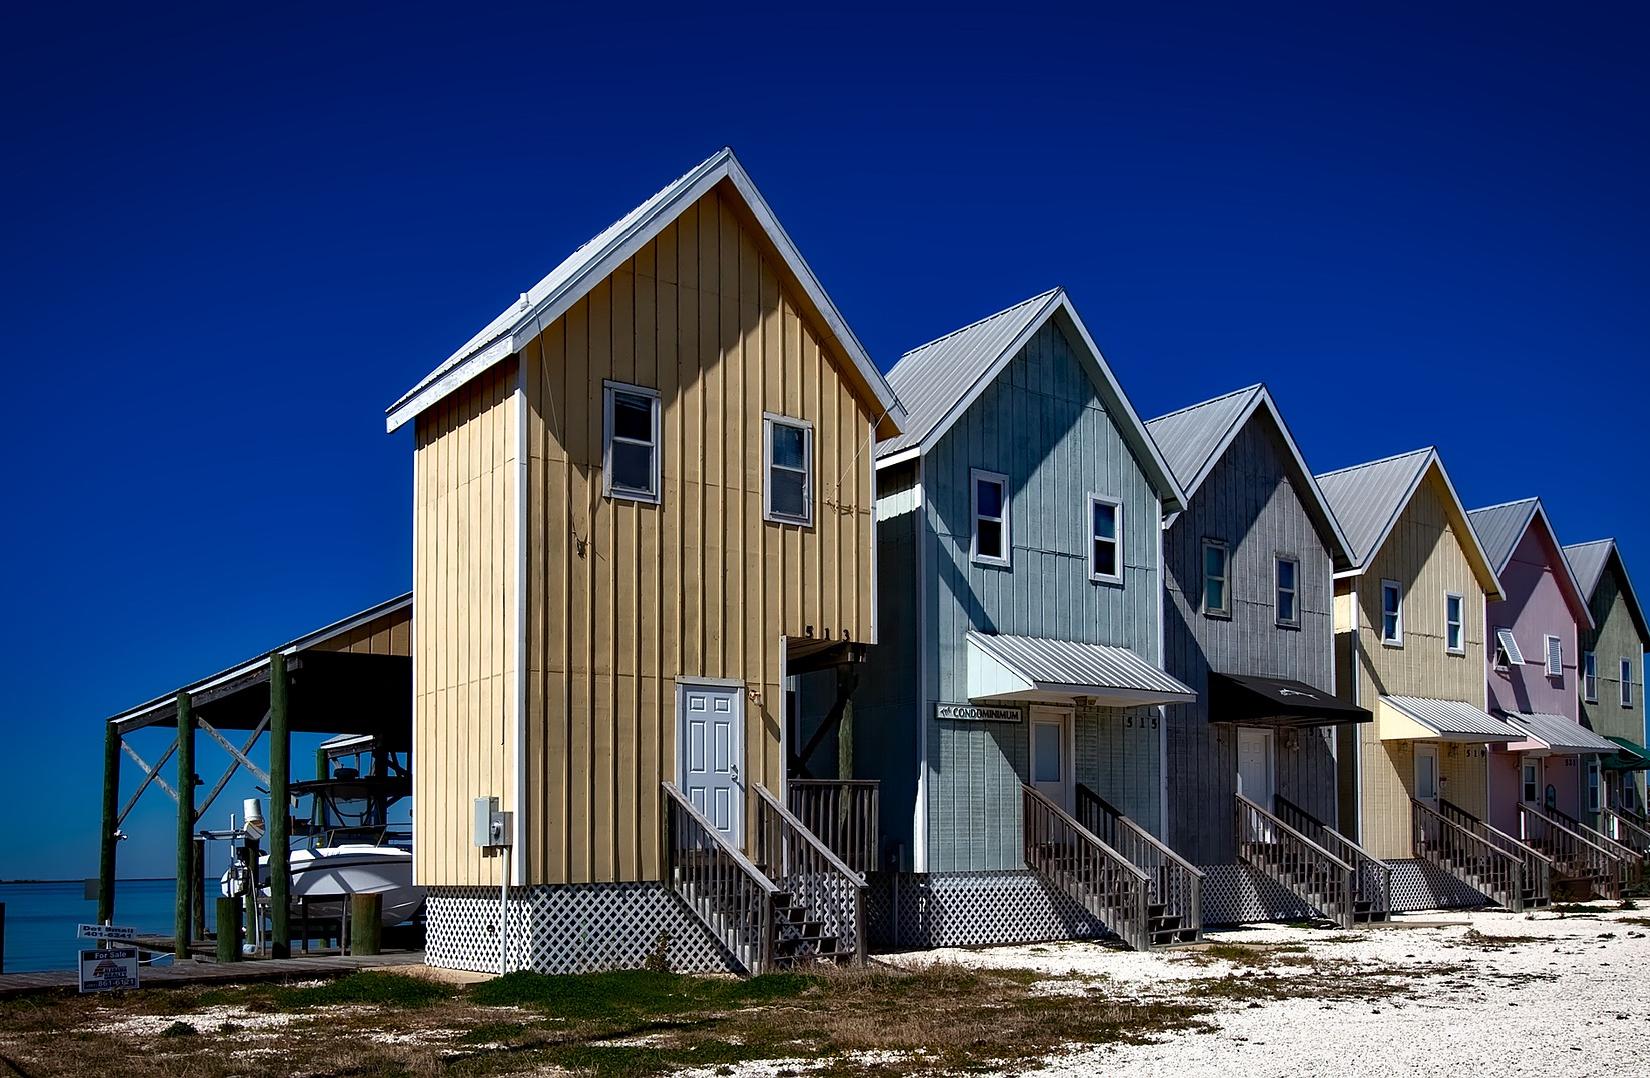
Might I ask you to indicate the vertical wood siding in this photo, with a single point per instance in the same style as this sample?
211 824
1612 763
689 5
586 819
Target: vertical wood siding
1248 502
626 597
1614 637
464 663
387 635
1424 553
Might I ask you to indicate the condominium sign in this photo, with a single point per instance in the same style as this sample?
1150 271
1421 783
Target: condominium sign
976 713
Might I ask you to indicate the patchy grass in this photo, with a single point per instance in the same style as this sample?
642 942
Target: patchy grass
1254 955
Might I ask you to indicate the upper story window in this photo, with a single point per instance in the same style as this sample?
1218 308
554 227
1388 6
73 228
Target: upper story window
990 541
1105 540
1507 653
630 442
1392 613
1217 584
1626 683
1454 608
1287 572
788 459
1554 648
1589 677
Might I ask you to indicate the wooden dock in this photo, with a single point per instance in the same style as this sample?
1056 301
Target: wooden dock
200 971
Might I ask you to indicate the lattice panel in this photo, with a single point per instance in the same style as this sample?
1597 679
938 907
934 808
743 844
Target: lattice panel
971 909
576 928
1242 894
1417 885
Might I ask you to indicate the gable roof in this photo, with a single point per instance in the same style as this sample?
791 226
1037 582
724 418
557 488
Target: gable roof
1502 527
938 382
1369 498
588 266
1193 439
1589 560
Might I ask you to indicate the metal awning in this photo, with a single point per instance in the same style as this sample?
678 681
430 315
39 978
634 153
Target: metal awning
1276 701
1417 718
1629 756
1555 735
1002 667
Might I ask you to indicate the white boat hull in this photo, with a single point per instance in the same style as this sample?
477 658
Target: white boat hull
326 877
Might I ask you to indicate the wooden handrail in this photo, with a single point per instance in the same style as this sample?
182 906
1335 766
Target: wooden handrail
1075 859
1146 836
1637 832
1587 831
733 897
1496 836
1177 884
1460 850
1574 851
843 813
1310 872
1374 876
833 893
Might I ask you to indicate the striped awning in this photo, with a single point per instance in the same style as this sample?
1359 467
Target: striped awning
1417 718
1556 734
1033 668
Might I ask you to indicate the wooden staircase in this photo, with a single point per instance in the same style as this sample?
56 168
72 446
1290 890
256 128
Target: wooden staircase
1324 882
1491 862
795 903
1175 903
1583 858
1372 877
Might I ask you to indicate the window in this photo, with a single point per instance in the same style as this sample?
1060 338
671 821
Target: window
1288 598
1554 648
1626 683
1392 613
990 542
1532 781
1589 677
788 448
1105 540
1217 598
1592 785
630 444
1506 650
1453 608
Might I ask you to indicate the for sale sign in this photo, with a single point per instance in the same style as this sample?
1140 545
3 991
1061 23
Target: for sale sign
108 968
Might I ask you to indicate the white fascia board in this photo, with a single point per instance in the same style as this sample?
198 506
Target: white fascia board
1492 592
911 453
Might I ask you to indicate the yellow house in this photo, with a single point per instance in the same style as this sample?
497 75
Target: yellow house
1410 638
643 504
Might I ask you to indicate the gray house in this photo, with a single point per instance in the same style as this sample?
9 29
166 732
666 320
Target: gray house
1020 611
1249 624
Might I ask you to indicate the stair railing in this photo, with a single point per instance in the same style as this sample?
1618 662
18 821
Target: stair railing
1619 850
843 813
1627 831
816 877
1074 859
1176 883
1538 867
1570 849
733 897
1373 882
1310 872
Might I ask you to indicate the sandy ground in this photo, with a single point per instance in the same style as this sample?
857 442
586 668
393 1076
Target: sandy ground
1574 999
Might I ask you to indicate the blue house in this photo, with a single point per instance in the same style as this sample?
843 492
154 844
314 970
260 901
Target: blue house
1012 711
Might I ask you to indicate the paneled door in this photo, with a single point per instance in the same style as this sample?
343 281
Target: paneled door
1052 772
1426 775
1257 777
710 749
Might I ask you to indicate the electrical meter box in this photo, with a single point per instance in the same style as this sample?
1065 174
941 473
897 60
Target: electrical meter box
492 827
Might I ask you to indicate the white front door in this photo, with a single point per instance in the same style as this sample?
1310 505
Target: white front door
1052 773
1256 776
710 747
1426 775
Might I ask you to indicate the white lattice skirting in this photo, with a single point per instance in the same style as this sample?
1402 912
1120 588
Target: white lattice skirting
1241 894
971 909
1417 885
574 928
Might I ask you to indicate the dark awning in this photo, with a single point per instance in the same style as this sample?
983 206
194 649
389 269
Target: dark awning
1631 756
1275 701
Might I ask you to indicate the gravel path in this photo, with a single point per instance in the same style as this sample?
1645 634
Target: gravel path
1520 994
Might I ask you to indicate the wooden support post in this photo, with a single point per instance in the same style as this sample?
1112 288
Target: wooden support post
251 897
198 889
280 810
321 769
111 823
186 824
229 930
366 924
3 938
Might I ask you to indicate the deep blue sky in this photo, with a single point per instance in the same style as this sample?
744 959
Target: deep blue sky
232 236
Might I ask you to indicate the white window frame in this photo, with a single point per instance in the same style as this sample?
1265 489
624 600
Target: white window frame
770 420
1225 610
1589 677
1459 623
610 390
975 475
1626 682
1397 639
1117 508
1595 780
1506 644
1551 646
1278 589
1529 781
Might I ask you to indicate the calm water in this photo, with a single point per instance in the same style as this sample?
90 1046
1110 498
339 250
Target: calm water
41 918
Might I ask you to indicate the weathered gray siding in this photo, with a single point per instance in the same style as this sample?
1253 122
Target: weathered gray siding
1614 637
1249 501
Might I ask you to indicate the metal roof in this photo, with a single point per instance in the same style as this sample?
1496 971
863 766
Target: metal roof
588 266
938 381
1080 669
1501 528
1453 718
1194 439
1588 562
1559 734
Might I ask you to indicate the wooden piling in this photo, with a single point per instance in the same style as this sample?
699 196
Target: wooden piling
111 818
366 924
186 824
197 889
280 810
229 930
250 899
2 937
